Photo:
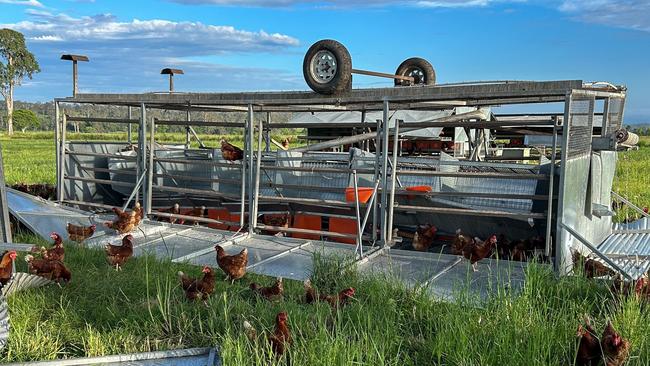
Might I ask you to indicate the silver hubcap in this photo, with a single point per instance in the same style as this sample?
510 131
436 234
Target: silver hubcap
323 66
416 74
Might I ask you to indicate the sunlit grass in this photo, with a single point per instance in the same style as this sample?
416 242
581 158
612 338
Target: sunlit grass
30 157
142 309
633 178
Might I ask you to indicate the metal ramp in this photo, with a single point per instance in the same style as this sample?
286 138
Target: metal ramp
447 276
180 357
629 247
442 275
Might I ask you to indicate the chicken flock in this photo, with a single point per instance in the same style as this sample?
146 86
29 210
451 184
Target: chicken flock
610 349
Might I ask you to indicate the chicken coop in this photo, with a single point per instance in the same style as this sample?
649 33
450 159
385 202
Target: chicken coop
362 190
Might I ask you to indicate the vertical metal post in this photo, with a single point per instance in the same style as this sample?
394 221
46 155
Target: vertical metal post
242 206
267 132
249 150
57 148
393 182
188 118
551 189
142 149
258 164
128 132
74 78
384 173
562 254
61 181
152 148
364 144
5 226
375 213
171 82
358 211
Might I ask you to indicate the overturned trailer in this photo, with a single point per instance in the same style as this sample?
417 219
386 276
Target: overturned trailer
353 201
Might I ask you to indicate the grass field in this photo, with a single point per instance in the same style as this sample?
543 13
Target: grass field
30 157
141 308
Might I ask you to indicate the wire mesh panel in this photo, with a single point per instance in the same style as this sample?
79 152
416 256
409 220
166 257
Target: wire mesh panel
581 119
448 164
303 184
615 108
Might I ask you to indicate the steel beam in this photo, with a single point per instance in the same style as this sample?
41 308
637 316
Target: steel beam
393 182
385 128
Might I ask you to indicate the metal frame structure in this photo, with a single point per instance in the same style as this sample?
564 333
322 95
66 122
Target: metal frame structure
388 168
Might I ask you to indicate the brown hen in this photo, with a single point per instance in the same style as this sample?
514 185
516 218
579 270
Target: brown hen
339 299
477 250
615 348
198 289
78 233
590 267
231 152
233 265
117 255
281 338
588 353
56 252
50 269
125 222
423 237
6 267
460 241
276 220
272 293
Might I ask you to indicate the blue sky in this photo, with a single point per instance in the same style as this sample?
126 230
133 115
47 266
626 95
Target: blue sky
234 45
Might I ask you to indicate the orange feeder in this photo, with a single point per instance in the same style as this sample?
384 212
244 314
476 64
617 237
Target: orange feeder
425 189
364 194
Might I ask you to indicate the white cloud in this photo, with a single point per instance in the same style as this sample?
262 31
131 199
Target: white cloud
151 36
33 3
126 56
631 14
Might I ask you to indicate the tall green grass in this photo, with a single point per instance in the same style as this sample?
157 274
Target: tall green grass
632 178
141 309
30 158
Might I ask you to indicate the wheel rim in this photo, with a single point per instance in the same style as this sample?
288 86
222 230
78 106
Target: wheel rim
417 74
323 66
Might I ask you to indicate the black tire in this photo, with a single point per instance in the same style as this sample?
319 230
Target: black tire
419 68
340 80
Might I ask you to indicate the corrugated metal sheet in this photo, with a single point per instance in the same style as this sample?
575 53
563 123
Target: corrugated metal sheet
180 357
4 322
640 224
630 249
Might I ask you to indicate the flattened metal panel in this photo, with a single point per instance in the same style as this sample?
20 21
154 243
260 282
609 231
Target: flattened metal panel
43 217
298 264
630 250
181 357
172 247
492 275
259 249
143 234
412 268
